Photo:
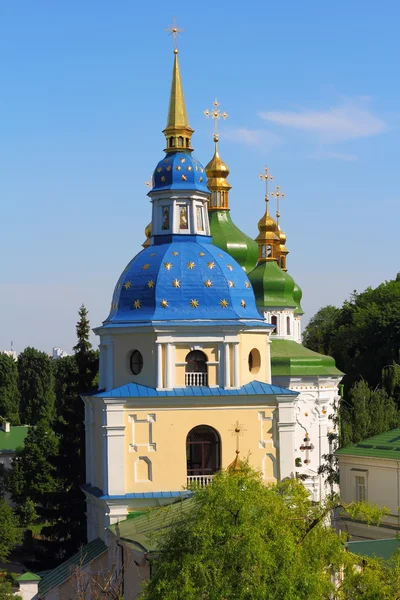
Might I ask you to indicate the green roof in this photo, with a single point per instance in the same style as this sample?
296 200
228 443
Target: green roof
297 296
228 237
272 286
28 577
57 576
140 531
10 441
375 548
290 358
384 445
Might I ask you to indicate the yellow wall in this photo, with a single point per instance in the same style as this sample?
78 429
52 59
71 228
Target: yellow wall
166 458
123 346
210 350
248 341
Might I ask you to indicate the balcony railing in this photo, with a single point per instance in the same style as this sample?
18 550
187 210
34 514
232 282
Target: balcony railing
200 480
196 378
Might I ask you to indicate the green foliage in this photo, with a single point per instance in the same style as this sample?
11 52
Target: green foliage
9 393
244 540
33 474
366 413
10 535
36 386
6 592
27 512
319 333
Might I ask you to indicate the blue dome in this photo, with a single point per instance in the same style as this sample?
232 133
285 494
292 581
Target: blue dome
182 280
180 171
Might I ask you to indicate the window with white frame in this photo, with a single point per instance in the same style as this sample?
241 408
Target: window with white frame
361 488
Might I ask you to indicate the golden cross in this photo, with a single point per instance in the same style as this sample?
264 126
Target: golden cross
174 31
150 182
278 194
238 431
266 177
216 114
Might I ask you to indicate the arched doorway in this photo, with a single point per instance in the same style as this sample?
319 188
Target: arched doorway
196 368
203 453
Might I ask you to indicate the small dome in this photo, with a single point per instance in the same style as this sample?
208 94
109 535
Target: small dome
147 233
272 286
282 236
183 281
297 296
216 168
179 171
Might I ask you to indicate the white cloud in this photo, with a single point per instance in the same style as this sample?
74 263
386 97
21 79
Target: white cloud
252 137
350 120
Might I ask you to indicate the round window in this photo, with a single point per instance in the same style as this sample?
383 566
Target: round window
254 361
136 362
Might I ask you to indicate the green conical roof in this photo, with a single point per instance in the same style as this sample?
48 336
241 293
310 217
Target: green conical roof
297 296
272 286
228 237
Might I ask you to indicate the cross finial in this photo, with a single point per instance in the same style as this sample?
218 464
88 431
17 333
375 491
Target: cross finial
174 30
265 176
237 430
216 114
149 183
278 194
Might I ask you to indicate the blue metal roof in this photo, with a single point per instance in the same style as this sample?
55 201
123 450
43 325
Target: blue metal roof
98 493
254 388
183 280
179 171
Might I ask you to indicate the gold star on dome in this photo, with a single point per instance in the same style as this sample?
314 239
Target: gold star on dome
247 284
224 303
183 177
197 168
243 303
168 266
231 284
146 266
201 170
194 303
200 179
201 253
159 170
183 160
166 159
164 303
137 304
176 283
153 254
150 284
163 179
178 168
230 267
211 265
175 253
169 168
208 283
188 168
190 265
127 285
221 255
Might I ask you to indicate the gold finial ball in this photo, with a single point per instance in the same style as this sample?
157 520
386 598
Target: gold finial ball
175 50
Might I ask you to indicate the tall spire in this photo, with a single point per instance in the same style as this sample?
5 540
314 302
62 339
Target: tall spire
178 131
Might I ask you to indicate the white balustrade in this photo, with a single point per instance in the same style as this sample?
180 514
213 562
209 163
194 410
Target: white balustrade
196 379
200 480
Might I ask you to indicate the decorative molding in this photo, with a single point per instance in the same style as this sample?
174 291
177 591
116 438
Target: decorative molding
262 418
147 461
150 444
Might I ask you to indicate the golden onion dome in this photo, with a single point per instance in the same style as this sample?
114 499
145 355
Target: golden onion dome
217 171
267 226
147 233
282 236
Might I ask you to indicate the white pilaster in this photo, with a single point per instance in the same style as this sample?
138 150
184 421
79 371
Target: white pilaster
159 375
227 365
236 366
113 448
286 432
110 366
169 366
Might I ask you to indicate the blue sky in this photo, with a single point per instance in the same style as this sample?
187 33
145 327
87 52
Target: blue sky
311 89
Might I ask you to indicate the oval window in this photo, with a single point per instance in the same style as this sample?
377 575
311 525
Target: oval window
254 361
136 362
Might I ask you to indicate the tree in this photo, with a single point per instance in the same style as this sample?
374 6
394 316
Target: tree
33 474
241 539
73 375
6 592
10 535
36 386
319 333
9 393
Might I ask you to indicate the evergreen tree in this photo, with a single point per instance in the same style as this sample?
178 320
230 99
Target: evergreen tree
10 535
6 592
319 333
36 386
9 393
74 375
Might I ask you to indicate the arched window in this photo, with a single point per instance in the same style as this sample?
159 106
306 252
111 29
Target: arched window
274 321
287 325
203 454
196 368
269 251
180 141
